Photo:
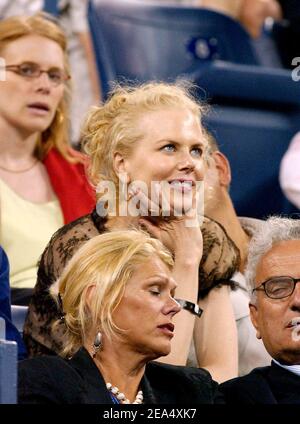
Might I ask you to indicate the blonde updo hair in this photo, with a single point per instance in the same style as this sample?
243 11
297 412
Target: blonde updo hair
41 24
107 261
112 127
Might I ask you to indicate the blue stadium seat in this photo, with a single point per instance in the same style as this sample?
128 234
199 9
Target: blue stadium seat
255 113
267 48
18 316
51 6
142 41
8 370
254 142
2 328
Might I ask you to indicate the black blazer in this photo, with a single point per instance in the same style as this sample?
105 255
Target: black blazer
52 379
266 385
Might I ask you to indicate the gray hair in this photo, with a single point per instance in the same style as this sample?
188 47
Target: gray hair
274 230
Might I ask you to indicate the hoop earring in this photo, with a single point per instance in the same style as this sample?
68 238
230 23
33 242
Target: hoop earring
97 345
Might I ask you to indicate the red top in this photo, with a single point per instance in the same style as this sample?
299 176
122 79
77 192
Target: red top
68 180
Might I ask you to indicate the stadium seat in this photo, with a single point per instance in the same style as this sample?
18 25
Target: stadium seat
255 113
142 41
51 6
8 369
267 49
18 315
254 142
2 328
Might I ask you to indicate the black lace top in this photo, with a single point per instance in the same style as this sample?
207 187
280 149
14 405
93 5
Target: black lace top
219 261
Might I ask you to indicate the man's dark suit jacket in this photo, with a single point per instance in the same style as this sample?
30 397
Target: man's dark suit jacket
52 379
266 385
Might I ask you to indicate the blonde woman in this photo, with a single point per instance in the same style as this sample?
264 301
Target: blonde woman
119 317
151 134
42 181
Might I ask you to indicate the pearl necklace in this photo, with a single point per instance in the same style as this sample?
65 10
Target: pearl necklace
121 397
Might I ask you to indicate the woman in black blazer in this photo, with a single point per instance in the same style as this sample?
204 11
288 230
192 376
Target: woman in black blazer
118 319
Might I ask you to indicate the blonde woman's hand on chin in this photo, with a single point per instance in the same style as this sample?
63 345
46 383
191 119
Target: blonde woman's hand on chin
185 242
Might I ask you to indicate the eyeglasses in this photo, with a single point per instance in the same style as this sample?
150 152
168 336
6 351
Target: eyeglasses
32 70
278 287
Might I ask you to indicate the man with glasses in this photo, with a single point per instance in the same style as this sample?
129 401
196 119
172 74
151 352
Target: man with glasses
273 276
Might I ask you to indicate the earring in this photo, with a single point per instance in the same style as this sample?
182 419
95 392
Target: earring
97 344
60 116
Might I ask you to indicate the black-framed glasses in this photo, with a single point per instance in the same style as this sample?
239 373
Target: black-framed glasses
32 70
278 287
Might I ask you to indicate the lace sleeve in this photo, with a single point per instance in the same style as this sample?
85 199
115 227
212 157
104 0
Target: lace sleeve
42 310
220 258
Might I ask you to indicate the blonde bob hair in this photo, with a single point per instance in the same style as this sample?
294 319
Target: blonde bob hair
106 262
40 24
112 127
